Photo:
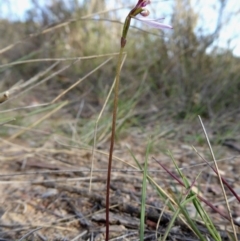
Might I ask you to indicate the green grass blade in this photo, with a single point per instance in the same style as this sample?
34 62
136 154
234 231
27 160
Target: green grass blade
144 188
200 210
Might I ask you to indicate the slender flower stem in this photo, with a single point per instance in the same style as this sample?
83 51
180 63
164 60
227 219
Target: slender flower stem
114 119
138 9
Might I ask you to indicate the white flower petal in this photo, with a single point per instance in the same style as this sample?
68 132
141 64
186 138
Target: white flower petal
149 19
154 23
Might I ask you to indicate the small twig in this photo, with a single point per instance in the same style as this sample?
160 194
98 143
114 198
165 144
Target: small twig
82 219
29 233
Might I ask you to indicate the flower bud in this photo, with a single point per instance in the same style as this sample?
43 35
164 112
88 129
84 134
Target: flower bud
145 12
143 3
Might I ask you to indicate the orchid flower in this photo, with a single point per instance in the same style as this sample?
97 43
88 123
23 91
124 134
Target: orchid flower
140 9
151 22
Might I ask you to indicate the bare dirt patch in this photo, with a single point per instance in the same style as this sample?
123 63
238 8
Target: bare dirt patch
45 190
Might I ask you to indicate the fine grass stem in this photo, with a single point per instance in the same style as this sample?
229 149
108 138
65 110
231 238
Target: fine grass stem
144 188
219 178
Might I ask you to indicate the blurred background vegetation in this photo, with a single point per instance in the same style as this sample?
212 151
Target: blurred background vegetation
171 75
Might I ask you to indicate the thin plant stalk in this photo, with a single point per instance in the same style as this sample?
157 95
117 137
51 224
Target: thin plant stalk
144 189
219 178
96 125
138 9
114 119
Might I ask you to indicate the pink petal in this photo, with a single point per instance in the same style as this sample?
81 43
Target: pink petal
143 3
154 23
